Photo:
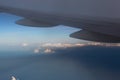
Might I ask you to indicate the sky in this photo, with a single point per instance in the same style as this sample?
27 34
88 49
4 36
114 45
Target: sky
12 33
14 37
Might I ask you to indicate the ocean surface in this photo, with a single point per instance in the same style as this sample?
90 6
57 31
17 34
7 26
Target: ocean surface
78 63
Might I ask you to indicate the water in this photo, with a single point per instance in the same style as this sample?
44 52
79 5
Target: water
78 63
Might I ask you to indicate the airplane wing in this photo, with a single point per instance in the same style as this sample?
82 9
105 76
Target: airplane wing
93 29
94 36
32 23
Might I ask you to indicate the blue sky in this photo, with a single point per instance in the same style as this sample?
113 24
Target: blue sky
13 33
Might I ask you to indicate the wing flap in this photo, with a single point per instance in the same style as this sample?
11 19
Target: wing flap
32 23
94 36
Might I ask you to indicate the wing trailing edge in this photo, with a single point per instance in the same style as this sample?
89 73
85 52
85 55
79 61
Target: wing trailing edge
94 36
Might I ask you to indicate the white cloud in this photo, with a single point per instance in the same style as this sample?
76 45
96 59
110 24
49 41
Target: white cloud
104 44
62 45
24 44
13 78
48 51
36 50
53 47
